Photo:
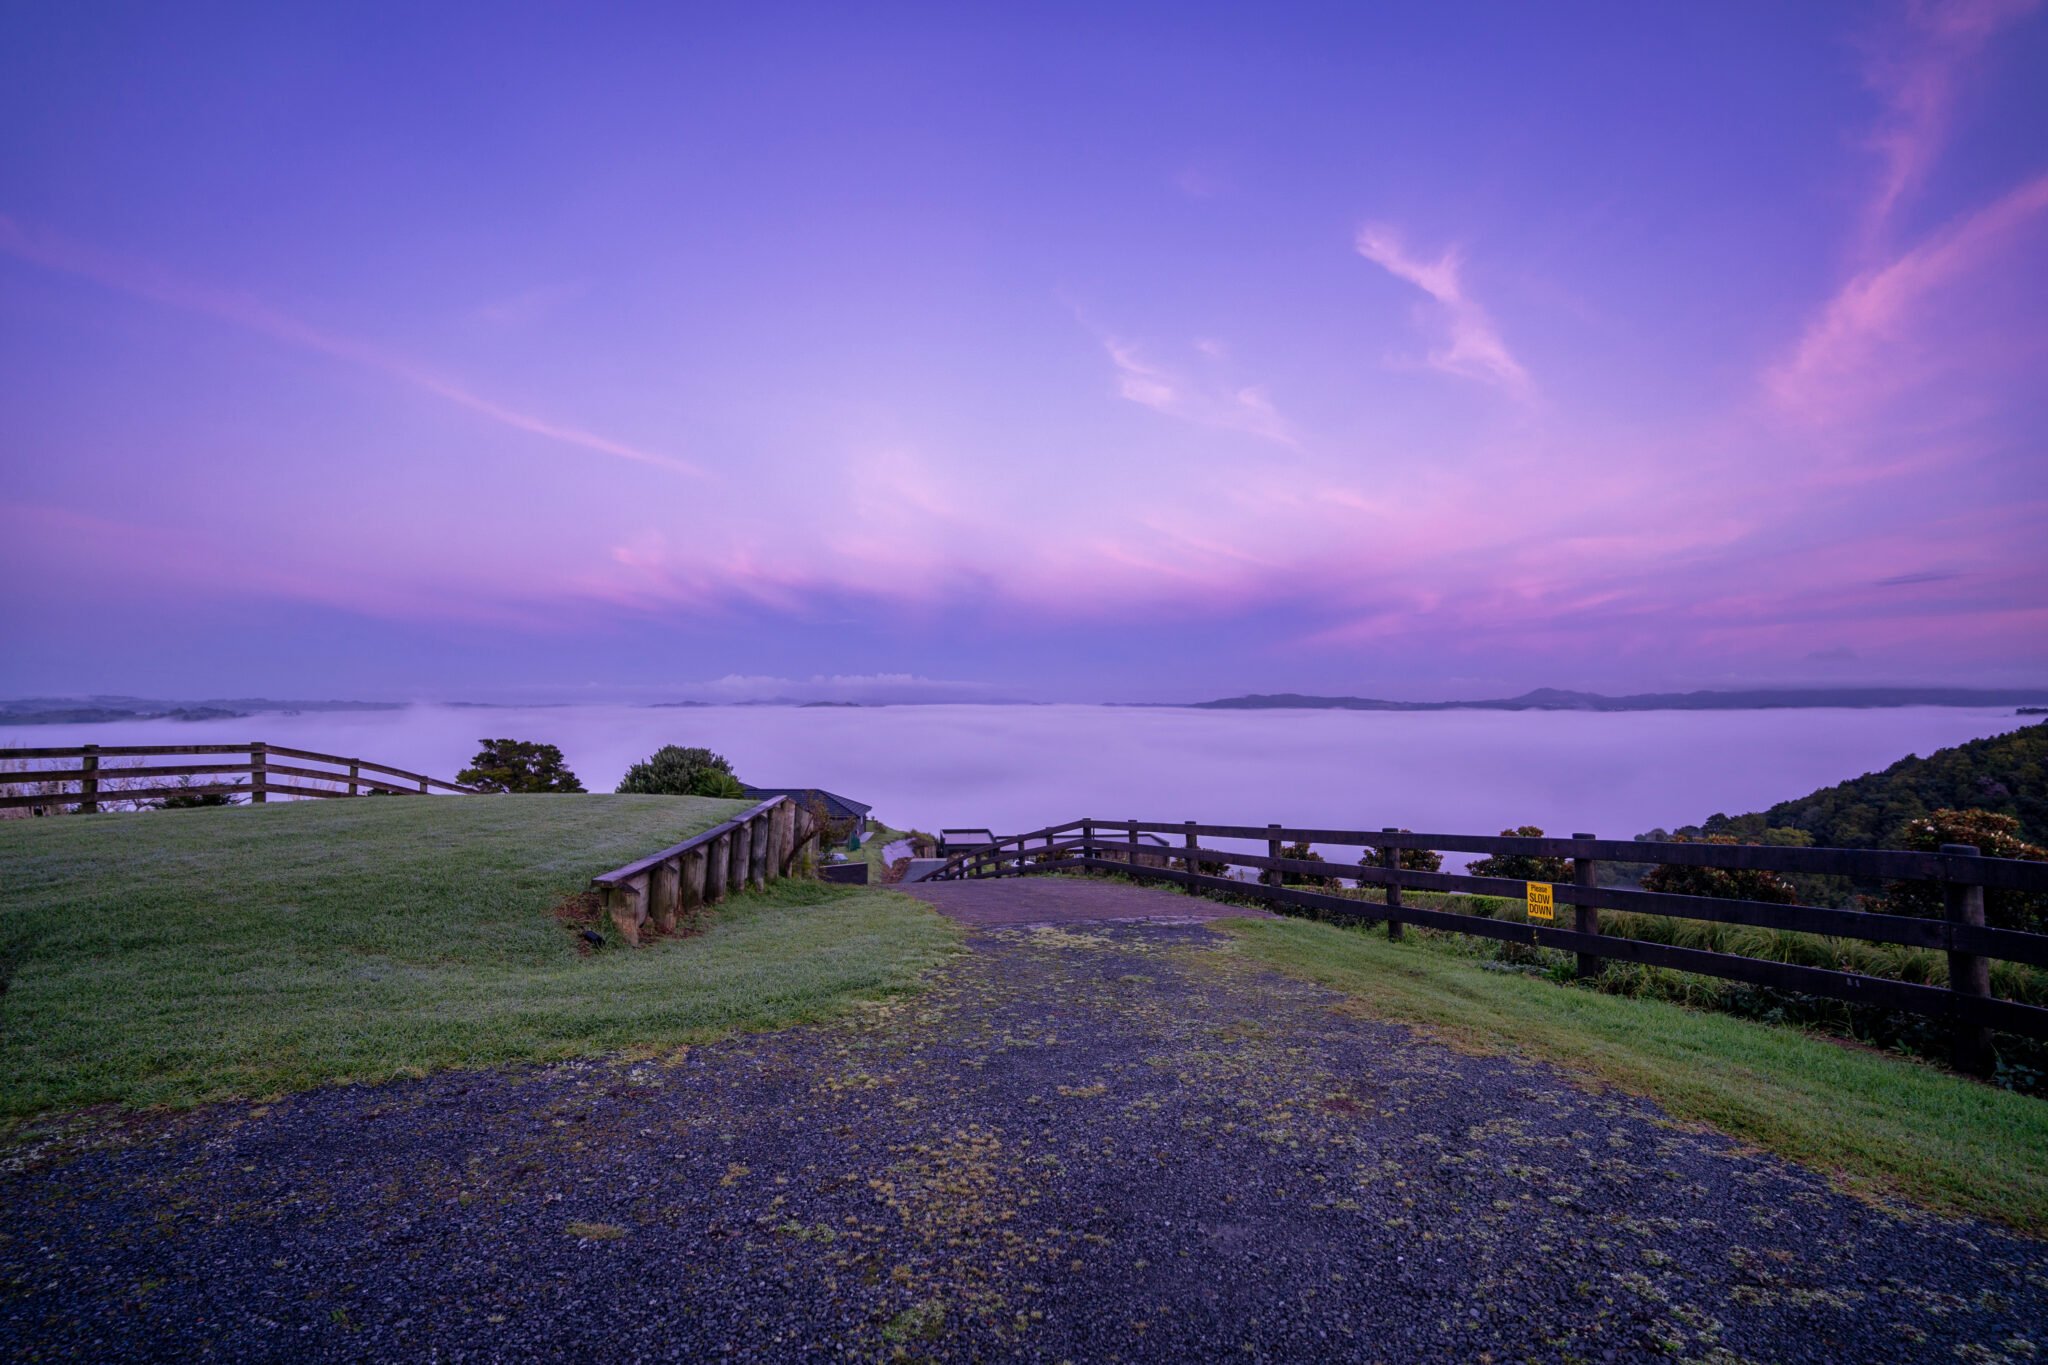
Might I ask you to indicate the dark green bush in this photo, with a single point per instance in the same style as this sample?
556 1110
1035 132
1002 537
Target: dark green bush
676 771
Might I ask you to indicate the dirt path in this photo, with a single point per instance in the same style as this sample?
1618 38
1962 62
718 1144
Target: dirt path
1083 1142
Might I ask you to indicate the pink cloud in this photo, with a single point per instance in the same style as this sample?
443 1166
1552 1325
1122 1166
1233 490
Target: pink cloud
1866 345
1475 350
1917 74
146 281
1244 408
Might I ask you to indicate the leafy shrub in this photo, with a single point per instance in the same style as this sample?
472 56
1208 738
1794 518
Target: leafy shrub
675 771
1743 884
1411 859
831 833
194 800
1303 852
1521 867
1995 836
518 765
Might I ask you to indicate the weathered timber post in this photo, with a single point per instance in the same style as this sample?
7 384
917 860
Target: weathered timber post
423 786
716 864
1968 974
1088 841
1193 860
1586 918
778 845
259 773
1390 859
628 906
1132 826
664 895
355 776
1272 877
736 868
690 884
89 785
757 852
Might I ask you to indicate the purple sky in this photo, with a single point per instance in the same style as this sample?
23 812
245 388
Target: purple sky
1421 351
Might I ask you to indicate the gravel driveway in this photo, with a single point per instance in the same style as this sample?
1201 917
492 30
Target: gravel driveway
1109 1141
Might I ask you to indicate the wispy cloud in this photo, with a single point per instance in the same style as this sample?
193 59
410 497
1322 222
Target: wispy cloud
1916 67
146 281
1859 349
1245 408
1475 349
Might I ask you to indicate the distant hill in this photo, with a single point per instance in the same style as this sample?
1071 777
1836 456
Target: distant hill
2007 774
100 709
1558 699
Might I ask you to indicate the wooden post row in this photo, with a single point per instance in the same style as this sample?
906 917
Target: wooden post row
89 786
259 773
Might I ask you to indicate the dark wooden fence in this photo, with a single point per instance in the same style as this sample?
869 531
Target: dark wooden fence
775 839
1963 874
259 772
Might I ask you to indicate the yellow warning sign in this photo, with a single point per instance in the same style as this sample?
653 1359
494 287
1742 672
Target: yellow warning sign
1542 905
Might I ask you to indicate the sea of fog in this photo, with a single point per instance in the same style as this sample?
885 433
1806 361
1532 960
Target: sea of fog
1019 767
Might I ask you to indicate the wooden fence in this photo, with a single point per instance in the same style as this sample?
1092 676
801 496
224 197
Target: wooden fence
1964 875
757 846
256 774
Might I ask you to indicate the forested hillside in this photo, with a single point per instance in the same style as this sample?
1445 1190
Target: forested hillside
2006 774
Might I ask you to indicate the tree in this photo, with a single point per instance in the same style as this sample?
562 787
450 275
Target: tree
1521 867
1411 859
1995 836
675 771
518 765
1729 883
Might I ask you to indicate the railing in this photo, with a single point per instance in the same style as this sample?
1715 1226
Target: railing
1964 875
774 839
98 783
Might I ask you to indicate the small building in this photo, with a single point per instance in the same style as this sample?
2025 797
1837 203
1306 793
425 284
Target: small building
837 808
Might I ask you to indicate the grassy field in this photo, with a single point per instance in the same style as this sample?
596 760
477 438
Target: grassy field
184 956
1882 1124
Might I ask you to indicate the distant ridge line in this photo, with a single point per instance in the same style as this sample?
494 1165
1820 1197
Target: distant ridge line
1559 699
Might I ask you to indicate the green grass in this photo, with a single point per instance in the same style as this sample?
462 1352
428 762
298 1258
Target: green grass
186 956
1883 1125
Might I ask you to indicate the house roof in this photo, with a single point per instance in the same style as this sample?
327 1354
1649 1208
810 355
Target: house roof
836 806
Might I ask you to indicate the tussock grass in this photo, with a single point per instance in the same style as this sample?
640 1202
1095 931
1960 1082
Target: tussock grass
184 956
1882 1124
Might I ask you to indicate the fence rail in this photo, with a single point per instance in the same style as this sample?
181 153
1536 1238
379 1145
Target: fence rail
774 839
1962 872
95 782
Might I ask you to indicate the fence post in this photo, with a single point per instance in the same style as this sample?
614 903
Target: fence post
423 786
1133 854
1194 863
1390 859
1586 918
355 776
1087 843
89 785
1968 974
259 773
1272 851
